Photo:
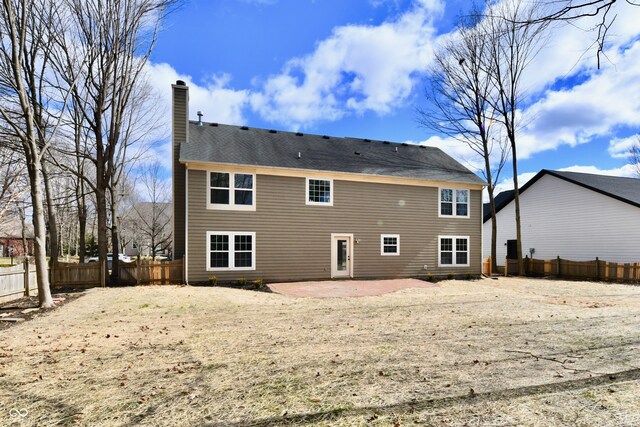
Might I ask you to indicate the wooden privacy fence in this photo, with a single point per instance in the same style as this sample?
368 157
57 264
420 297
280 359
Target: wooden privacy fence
486 266
18 281
590 270
88 275
144 272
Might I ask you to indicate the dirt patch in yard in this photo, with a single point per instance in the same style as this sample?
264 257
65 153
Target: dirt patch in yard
26 308
482 353
346 288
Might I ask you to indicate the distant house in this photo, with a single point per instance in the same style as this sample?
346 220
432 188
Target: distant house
149 226
266 204
576 216
11 238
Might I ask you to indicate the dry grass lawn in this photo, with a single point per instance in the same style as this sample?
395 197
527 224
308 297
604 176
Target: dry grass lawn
501 352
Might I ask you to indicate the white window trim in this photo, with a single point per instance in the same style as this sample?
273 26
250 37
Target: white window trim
454 202
231 235
453 250
232 194
306 191
382 252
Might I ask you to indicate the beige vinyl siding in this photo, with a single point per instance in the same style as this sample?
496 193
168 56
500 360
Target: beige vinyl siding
294 239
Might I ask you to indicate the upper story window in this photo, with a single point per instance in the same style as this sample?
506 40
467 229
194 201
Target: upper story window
231 190
389 244
454 202
319 192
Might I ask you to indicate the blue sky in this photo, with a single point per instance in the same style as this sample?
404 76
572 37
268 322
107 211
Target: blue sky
358 68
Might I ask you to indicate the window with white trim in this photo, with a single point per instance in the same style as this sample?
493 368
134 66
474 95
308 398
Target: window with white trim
319 192
231 250
453 251
454 202
389 244
231 190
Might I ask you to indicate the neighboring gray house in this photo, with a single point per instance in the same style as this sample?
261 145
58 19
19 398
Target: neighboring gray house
576 216
265 204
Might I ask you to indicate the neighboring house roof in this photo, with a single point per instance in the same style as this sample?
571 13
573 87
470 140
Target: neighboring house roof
12 228
501 200
217 143
626 190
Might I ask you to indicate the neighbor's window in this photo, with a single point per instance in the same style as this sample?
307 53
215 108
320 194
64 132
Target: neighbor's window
229 190
389 244
454 202
454 251
231 251
319 191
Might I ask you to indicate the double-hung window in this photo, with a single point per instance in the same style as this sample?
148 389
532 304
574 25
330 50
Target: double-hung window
231 190
319 192
454 202
389 244
453 251
231 250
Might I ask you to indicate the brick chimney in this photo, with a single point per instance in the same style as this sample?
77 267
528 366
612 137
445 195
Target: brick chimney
179 135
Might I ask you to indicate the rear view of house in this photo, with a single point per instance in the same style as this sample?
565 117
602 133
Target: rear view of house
575 216
266 204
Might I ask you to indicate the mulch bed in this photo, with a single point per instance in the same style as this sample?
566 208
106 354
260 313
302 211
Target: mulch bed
26 308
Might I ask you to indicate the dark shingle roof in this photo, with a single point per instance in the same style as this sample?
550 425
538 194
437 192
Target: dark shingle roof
626 190
219 143
501 200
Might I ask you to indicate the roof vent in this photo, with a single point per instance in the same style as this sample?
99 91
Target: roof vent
367 140
213 124
386 142
396 149
422 146
357 153
299 133
200 118
180 83
273 131
244 128
299 155
404 144
325 137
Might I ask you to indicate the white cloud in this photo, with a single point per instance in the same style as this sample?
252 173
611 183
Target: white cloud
620 147
610 98
215 98
626 170
358 68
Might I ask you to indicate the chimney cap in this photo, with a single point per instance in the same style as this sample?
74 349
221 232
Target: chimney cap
180 83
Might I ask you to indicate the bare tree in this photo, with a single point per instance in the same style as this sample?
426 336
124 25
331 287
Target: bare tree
12 185
117 36
153 213
29 31
460 105
572 10
512 48
634 156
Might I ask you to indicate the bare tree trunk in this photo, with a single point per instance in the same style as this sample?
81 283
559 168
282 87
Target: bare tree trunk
115 247
35 181
516 195
101 211
52 216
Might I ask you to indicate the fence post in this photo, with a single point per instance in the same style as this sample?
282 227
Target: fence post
162 273
103 276
26 277
506 267
558 268
597 269
526 265
138 270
